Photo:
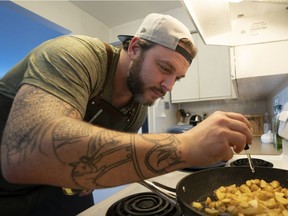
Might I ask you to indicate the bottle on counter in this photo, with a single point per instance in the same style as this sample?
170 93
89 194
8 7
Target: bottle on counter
267 123
277 140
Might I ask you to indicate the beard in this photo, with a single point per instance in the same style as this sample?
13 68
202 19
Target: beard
135 82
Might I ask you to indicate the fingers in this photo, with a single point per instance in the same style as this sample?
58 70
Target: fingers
218 137
241 125
239 128
234 128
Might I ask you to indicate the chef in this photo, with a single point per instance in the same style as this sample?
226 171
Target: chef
71 109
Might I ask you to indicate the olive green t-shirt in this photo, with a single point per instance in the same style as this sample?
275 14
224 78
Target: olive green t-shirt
73 68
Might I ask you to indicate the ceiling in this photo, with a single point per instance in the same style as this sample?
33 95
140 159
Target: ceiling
114 13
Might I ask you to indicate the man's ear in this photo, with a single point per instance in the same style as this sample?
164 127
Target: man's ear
134 48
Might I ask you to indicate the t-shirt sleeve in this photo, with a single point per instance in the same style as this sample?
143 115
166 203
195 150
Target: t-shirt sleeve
69 67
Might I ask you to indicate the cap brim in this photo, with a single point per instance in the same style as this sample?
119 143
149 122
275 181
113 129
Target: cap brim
123 38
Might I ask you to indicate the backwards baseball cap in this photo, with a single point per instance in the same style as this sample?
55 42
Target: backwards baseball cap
164 30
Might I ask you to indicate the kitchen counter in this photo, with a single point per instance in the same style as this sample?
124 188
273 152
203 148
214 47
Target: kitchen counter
259 148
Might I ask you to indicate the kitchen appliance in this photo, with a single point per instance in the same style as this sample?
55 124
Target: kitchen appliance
171 179
195 119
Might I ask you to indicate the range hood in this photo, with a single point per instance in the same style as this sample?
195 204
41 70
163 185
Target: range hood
231 23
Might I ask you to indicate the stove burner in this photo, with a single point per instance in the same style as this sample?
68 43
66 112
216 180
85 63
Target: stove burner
256 162
145 204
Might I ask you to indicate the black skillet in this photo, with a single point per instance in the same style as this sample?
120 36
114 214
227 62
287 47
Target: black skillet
199 185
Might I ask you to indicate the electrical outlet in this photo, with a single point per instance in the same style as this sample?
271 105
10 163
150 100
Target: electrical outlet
166 105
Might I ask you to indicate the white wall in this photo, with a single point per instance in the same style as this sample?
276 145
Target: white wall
280 94
69 16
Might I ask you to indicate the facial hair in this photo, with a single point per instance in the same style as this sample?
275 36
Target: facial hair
135 82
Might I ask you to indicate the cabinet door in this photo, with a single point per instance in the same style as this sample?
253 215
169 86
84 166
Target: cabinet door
187 89
261 59
208 77
214 71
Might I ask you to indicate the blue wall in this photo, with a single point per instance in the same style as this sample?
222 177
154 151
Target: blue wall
20 31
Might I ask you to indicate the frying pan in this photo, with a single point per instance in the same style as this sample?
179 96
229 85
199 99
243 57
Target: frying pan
199 185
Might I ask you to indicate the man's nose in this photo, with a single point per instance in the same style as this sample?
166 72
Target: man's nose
168 83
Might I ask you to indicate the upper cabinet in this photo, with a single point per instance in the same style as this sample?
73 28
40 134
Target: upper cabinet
209 76
261 59
259 69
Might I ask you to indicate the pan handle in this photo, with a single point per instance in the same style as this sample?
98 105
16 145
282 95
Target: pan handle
163 191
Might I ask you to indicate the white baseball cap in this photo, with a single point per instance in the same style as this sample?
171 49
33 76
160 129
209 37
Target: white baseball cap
164 30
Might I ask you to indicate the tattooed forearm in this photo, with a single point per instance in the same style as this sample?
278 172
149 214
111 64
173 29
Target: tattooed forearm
104 153
163 154
39 136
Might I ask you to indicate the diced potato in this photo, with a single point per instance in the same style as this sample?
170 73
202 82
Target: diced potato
220 195
282 200
197 205
263 183
275 184
211 211
244 204
285 212
208 200
245 189
226 200
271 203
255 197
255 187
253 203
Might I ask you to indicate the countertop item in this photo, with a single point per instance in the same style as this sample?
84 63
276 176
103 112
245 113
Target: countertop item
260 148
267 137
179 128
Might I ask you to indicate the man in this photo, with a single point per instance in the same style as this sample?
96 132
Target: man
75 104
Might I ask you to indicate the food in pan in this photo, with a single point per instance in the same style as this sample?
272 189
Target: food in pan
256 197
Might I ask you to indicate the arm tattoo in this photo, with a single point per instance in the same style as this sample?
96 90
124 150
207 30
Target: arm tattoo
29 121
103 154
163 155
36 122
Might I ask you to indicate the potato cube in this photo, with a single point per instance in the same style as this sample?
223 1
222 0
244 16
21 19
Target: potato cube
275 184
282 200
285 212
197 205
211 211
245 189
220 195
263 183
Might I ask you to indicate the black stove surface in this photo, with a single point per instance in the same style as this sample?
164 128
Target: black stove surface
143 204
256 162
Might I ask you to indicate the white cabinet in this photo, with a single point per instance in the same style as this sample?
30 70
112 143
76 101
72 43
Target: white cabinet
259 69
208 77
261 59
187 89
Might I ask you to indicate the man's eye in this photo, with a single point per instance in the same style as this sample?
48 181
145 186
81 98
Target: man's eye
163 68
178 79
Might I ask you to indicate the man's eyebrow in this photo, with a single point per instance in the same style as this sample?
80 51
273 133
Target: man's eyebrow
171 67
168 63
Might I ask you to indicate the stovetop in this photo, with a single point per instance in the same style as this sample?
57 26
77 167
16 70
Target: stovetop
171 180
143 204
